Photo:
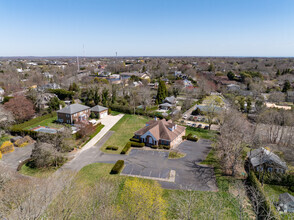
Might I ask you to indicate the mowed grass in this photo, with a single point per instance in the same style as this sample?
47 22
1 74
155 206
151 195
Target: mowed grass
202 133
124 130
4 138
50 122
28 171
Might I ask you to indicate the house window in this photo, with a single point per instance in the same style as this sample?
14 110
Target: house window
270 169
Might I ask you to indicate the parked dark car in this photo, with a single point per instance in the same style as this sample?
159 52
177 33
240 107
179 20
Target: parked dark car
206 127
193 125
199 126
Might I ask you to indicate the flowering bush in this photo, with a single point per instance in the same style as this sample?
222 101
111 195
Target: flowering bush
6 147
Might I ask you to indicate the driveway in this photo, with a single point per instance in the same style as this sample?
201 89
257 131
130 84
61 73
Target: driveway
18 155
91 153
189 174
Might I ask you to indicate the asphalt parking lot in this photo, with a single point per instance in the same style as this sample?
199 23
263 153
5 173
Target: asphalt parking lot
189 173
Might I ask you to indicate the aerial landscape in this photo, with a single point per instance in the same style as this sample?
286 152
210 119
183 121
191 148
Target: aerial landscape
160 109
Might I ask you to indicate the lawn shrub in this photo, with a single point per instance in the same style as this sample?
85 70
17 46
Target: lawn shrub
281 179
117 168
114 148
135 144
135 139
190 137
154 146
23 141
0 155
166 147
268 206
7 147
184 138
126 148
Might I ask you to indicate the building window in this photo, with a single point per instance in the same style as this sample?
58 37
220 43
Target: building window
269 169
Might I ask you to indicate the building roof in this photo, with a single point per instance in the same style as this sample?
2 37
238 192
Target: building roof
162 129
261 155
170 99
286 198
73 108
98 108
166 105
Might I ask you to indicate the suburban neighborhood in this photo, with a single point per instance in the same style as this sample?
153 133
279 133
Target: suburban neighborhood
145 110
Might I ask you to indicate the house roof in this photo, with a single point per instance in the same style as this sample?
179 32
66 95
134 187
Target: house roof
162 129
170 99
73 108
98 108
286 198
166 105
261 155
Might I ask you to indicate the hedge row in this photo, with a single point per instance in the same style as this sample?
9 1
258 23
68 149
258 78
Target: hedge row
33 121
117 168
268 206
126 148
135 140
129 110
136 144
112 148
166 147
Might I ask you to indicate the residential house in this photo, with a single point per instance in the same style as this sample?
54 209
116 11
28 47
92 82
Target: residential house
290 96
262 159
233 88
73 113
286 202
168 103
43 100
48 75
161 132
100 110
48 86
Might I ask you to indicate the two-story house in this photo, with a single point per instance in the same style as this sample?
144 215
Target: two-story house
74 113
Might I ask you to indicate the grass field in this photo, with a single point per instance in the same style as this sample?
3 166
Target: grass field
124 130
201 133
26 170
50 122
205 204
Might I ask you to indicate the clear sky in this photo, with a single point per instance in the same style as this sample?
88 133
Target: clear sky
147 27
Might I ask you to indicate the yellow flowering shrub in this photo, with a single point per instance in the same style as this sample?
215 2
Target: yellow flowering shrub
7 147
23 144
23 141
0 155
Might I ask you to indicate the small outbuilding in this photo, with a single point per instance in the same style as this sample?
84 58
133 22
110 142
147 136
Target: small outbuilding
100 110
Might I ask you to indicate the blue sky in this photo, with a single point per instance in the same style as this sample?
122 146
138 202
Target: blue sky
147 28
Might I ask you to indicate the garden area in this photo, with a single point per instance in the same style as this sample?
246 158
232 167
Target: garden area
202 133
124 130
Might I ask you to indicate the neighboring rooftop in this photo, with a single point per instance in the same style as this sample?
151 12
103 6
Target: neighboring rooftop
286 198
261 155
72 109
98 108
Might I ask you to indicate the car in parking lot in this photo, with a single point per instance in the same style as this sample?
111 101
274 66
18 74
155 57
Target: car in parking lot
185 117
189 123
194 125
199 126
206 127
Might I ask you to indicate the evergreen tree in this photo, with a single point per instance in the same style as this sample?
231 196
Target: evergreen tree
161 92
96 97
104 96
231 75
278 73
287 86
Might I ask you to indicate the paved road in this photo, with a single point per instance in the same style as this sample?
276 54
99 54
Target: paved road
189 174
14 158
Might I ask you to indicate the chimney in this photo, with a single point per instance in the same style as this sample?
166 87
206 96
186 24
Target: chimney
60 106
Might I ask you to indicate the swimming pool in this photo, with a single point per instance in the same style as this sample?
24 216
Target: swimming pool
45 130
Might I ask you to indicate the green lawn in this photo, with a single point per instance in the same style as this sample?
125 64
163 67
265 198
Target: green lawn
50 122
114 113
124 130
4 138
26 170
201 133
206 203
